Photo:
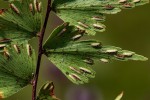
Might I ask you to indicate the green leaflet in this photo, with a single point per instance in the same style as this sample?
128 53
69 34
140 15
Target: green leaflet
88 15
47 92
17 65
74 58
22 21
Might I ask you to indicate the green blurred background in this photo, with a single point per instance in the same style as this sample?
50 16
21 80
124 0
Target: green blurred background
129 29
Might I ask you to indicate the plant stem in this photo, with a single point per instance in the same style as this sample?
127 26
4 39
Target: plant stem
40 51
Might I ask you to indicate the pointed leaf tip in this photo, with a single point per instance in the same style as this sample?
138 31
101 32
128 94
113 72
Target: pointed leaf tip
119 97
139 58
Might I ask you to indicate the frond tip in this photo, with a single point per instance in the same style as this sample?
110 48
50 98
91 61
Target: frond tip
119 97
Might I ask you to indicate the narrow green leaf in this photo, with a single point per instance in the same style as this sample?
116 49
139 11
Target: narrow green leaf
22 21
47 92
88 15
17 66
74 58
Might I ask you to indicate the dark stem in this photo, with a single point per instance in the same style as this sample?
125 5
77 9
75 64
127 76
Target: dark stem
40 51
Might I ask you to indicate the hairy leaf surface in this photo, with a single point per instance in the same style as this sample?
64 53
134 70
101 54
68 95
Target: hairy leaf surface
74 58
88 15
17 65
